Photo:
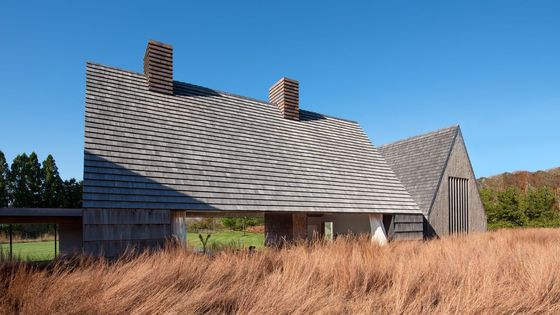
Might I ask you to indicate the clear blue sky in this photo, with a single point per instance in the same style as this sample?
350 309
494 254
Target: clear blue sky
398 67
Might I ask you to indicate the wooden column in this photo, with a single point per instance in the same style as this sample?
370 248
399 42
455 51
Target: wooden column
378 234
11 242
179 227
299 225
55 239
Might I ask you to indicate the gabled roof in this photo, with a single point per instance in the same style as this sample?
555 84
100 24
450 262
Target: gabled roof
420 161
202 149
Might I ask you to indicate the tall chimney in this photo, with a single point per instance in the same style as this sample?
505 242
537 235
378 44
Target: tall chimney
158 67
285 94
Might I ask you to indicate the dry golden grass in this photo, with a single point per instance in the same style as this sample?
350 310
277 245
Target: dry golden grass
508 271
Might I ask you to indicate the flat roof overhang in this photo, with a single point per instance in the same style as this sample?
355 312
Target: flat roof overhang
39 215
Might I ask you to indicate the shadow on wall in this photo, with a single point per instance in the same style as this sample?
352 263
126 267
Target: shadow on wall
309 116
429 232
151 210
185 89
111 185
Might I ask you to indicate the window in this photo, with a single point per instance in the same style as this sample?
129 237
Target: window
458 205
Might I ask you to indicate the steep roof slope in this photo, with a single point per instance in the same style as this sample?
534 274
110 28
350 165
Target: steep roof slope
202 149
419 162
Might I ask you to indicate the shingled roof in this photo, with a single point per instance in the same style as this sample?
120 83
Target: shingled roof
201 149
419 162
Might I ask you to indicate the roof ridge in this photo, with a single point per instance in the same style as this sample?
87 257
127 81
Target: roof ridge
423 135
220 92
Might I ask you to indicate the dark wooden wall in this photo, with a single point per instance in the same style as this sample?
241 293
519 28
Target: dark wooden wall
284 227
405 227
459 165
70 237
110 232
277 228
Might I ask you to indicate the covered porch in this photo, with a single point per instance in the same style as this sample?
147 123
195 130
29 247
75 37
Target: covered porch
67 224
282 227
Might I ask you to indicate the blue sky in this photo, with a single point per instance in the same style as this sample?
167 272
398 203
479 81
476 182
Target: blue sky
398 67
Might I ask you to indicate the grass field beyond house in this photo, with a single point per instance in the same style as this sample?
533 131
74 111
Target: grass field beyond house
234 239
44 250
36 251
502 272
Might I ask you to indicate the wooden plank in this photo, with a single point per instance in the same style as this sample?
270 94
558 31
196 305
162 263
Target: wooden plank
125 232
408 227
409 218
409 236
128 216
117 248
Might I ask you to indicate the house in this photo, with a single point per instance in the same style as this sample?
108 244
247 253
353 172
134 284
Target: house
436 170
158 151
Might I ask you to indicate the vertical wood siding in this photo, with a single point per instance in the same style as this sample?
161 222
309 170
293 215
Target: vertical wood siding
458 205
473 215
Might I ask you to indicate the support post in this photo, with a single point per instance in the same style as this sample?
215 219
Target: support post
179 227
55 239
378 234
11 243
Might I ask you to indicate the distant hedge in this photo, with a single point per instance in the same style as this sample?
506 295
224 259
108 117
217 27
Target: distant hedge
512 207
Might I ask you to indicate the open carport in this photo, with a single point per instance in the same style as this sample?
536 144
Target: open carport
68 222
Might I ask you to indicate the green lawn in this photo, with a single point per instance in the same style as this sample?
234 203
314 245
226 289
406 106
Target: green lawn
228 237
38 251
30 251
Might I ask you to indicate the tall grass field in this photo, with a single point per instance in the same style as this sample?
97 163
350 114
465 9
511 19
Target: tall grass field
502 272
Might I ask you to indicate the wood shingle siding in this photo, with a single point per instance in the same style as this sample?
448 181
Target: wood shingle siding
201 149
406 227
110 232
435 168
419 163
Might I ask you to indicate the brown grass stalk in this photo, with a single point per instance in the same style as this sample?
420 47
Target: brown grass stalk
503 272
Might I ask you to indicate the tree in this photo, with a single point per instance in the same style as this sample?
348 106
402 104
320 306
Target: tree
489 201
509 207
18 192
52 193
34 179
241 223
539 204
72 193
4 174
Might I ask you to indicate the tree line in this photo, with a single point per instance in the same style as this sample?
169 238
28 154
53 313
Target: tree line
231 223
513 207
27 183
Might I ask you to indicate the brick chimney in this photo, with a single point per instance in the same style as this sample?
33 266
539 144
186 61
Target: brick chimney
158 67
285 94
